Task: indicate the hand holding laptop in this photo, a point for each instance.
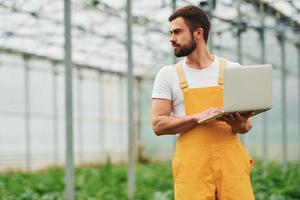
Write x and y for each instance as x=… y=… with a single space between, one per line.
x=238 y=121
x=241 y=116
x=206 y=114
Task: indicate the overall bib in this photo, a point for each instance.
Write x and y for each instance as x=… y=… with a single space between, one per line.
x=209 y=161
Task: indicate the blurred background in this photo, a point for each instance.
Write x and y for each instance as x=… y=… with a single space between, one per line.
x=32 y=93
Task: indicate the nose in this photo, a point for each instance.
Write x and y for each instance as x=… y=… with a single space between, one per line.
x=172 y=38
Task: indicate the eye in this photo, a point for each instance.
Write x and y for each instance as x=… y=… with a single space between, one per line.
x=176 y=31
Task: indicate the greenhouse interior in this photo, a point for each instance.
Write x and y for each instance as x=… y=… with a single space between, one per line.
x=87 y=132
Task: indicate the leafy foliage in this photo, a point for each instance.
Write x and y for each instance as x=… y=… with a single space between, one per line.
x=154 y=181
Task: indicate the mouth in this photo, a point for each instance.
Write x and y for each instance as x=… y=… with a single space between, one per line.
x=175 y=47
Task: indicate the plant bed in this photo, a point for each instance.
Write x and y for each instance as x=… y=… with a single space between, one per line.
x=154 y=181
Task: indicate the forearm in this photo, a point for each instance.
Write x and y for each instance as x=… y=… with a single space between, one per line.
x=168 y=125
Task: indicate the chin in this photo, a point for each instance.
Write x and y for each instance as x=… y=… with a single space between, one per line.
x=178 y=55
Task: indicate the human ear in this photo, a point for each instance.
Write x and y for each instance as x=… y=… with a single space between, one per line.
x=198 y=33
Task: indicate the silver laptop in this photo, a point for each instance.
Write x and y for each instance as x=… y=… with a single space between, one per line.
x=246 y=89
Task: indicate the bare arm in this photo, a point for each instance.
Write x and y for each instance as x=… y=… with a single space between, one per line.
x=164 y=124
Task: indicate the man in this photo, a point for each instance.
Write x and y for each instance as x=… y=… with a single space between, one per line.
x=209 y=161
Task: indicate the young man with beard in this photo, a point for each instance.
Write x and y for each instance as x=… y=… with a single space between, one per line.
x=209 y=162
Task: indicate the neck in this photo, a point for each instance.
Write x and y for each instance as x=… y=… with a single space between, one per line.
x=200 y=58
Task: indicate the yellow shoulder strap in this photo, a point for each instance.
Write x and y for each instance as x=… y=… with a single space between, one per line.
x=222 y=65
x=181 y=77
x=182 y=80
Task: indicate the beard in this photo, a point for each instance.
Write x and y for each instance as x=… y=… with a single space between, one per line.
x=184 y=50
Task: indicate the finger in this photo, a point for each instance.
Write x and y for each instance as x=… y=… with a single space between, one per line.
x=213 y=111
x=231 y=117
x=252 y=113
x=239 y=117
x=220 y=109
x=209 y=110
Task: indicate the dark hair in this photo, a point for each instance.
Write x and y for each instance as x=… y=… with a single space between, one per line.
x=194 y=17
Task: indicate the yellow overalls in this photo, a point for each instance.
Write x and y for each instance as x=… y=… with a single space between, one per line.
x=209 y=162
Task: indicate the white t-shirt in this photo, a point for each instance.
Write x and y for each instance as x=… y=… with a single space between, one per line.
x=166 y=84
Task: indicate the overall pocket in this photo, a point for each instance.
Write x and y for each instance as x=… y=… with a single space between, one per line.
x=190 y=163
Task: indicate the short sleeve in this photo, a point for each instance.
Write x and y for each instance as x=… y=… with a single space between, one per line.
x=161 y=86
